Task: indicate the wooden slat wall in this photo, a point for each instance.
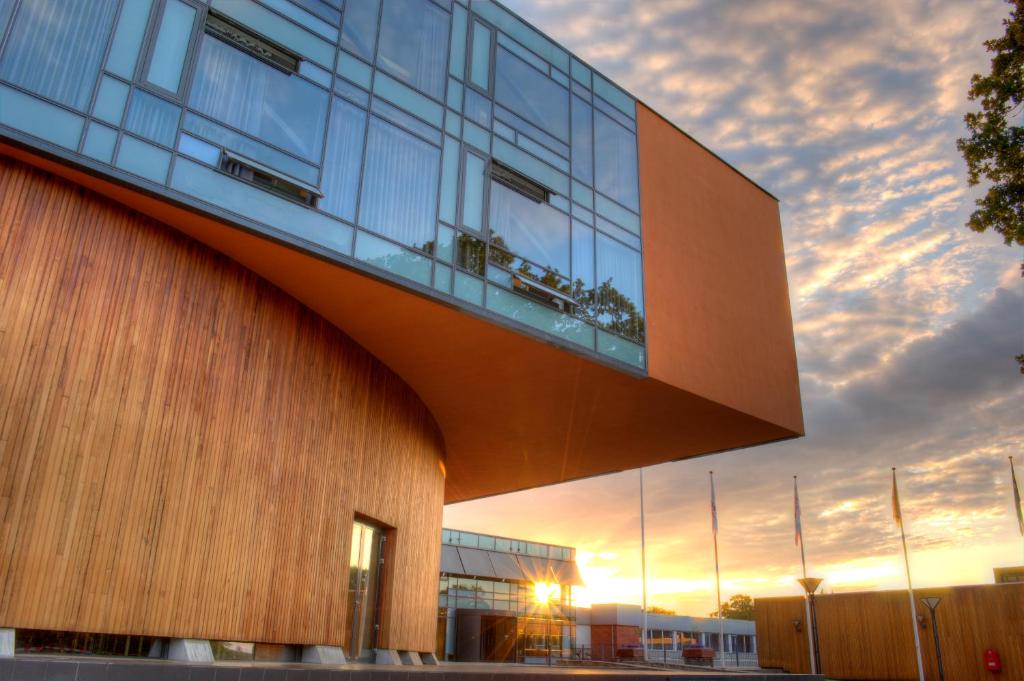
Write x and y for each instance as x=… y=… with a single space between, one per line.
x=783 y=647
x=183 y=447
x=868 y=635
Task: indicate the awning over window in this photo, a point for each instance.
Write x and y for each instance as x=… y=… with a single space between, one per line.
x=476 y=562
x=461 y=560
x=450 y=561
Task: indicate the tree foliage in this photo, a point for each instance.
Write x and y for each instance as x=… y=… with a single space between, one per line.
x=994 y=150
x=739 y=607
x=658 y=610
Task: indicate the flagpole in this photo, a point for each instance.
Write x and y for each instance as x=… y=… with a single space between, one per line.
x=643 y=566
x=1016 y=502
x=803 y=564
x=718 y=580
x=898 y=516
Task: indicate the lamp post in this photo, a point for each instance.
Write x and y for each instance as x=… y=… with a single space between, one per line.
x=933 y=602
x=810 y=585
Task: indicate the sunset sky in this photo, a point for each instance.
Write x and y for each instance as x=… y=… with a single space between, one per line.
x=906 y=322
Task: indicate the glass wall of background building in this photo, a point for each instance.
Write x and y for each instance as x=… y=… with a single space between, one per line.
x=514 y=595
x=449 y=146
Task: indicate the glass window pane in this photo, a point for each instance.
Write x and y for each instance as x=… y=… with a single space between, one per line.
x=445 y=243
x=280 y=161
x=99 y=142
x=582 y=140
x=355 y=70
x=110 y=100
x=131 y=26
x=480 y=68
x=619 y=302
x=615 y=165
x=531 y=94
x=278 y=29
x=471 y=290
x=515 y=27
x=39 y=118
x=582 y=261
x=198 y=149
x=528 y=229
x=457 y=58
x=392 y=257
x=399 y=196
x=531 y=167
x=404 y=120
x=359 y=32
x=143 y=159
x=171 y=45
x=307 y=19
x=247 y=94
x=344 y=156
x=153 y=118
x=315 y=73
x=580 y=73
x=478 y=108
x=619 y=99
x=449 y=181
x=473 y=193
x=408 y=99
x=539 y=316
x=413 y=42
x=55 y=48
x=259 y=205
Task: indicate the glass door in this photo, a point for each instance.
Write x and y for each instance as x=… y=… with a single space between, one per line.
x=366 y=565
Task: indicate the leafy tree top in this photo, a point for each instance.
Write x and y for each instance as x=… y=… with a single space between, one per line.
x=994 y=150
x=739 y=607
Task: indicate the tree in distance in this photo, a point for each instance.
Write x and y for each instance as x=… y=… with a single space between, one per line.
x=994 y=150
x=739 y=607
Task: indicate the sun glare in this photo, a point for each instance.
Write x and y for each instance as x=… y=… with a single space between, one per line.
x=546 y=592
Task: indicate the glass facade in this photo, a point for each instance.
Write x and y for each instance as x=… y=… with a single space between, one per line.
x=444 y=142
x=541 y=615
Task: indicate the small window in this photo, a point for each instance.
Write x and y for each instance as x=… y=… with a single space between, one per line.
x=227 y=30
x=519 y=183
x=266 y=178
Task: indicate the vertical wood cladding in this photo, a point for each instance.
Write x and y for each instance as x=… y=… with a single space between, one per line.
x=868 y=635
x=183 y=446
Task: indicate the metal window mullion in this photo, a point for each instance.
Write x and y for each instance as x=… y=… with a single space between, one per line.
x=366 y=132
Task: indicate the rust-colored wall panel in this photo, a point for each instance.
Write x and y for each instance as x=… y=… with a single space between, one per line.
x=716 y=297
x=868 y=636
x=183 y=446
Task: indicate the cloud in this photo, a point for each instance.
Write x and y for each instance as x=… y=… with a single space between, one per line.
x=906 y=323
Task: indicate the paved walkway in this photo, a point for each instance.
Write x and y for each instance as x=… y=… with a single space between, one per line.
x=59 y=668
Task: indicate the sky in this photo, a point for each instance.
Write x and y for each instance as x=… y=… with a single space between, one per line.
x=906 y=322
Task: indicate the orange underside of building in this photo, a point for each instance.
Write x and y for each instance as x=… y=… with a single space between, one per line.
x=516 y=412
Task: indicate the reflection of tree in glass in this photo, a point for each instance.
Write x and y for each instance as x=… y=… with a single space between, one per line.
x=603 y=306
x=609 y=308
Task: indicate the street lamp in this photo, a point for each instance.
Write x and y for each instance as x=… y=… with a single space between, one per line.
x=933 y=602
x=810 y=585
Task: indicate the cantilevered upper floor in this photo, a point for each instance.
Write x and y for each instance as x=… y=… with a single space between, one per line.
x=572 y=285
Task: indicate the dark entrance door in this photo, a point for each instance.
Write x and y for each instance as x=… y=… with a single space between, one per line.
x=498 y=638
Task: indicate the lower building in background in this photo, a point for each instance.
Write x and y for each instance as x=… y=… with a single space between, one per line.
x=869 y=635
x=505 y=600
x=615 y=630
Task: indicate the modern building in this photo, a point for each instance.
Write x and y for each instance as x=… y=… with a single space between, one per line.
x=279 y=278
x=505 y=600
x=869 y=635
x=617 y=627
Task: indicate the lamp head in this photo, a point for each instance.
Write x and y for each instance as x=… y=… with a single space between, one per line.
x=810 y=584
